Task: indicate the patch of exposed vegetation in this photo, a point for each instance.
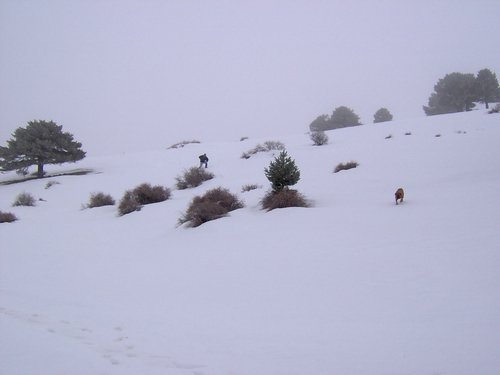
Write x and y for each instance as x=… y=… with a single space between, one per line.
x=264 y=147
x=345 y=166
x=182 y=144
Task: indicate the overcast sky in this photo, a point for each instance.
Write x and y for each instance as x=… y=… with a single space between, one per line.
x=131 y=74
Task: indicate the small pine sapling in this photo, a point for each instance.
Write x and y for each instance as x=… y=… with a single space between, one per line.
x=282 y=172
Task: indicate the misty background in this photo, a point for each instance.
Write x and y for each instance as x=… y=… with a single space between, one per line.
x=126 y=75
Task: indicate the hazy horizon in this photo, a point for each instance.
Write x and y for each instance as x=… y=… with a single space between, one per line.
x=150 y=73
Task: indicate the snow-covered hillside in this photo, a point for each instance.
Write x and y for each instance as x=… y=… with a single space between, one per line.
x=354 y=285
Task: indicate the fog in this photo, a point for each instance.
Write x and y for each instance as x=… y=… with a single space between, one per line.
x=127 y=75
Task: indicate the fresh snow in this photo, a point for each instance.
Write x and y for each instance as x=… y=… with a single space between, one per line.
x=354 y=285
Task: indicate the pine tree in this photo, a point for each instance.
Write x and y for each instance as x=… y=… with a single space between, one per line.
x=382 y=115
x=343 y=117
x=282 y=172
x=40 y=143
x=486 y=86
x=456 y=92
x=321 y=123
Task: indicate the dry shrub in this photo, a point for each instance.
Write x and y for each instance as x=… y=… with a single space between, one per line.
x=182 y=144
x=283 y=199
x=24 y=199
x=193 y=177
x=51 y=183
x=274 y=146
x=128 y=203
x=7 y=217
x=200 y=212
x=223 y=198
x=319 y=138
x=249 y=187
x=265 y=147
x=345 y=166
x=147 y=194
x=214 y=204
x=133 y=200
x=100 y=200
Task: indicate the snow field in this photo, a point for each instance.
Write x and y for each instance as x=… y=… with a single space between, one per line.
x=353 y=285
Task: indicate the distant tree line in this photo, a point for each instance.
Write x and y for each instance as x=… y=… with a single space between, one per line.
x=343 y=117
x=458 y=92
x=455 y=92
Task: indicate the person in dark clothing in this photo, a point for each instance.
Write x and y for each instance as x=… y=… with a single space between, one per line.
x=203 y=160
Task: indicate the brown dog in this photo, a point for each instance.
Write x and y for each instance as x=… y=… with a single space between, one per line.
x=400 y=194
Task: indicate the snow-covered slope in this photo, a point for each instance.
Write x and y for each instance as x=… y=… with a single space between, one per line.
x=353 y=285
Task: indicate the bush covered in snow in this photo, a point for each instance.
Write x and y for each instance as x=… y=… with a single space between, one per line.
x=182 y=144
x=265 y=147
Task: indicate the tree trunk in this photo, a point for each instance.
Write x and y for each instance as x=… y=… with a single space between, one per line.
x=487 y=106
x=40 y=171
